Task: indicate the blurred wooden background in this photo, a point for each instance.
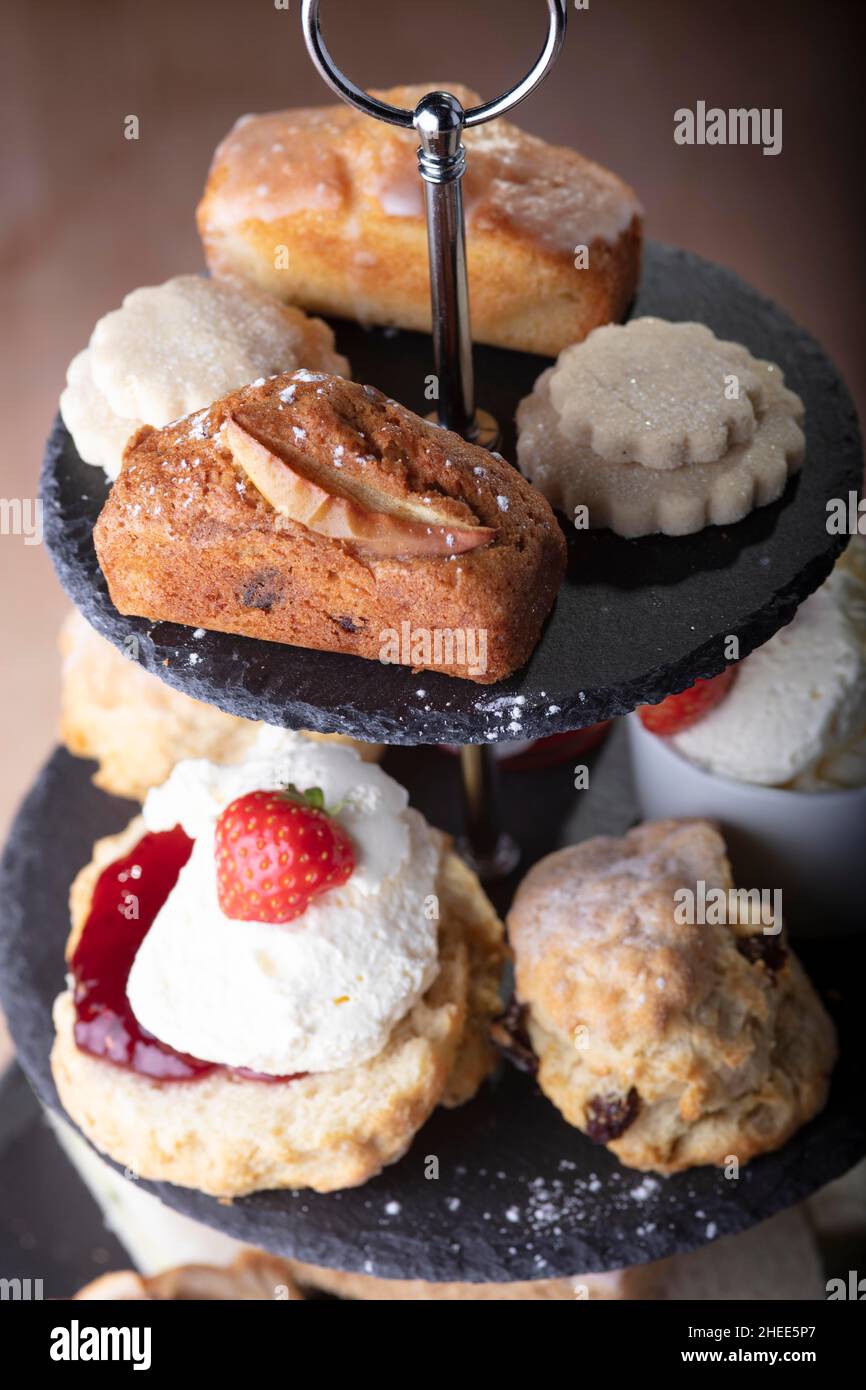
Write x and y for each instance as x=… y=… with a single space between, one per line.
x=89 y=215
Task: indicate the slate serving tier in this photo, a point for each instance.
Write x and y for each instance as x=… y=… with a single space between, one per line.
x=519 y=1194
x=634 y=621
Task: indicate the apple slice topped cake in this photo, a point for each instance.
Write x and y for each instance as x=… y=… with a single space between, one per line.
x=310 y=510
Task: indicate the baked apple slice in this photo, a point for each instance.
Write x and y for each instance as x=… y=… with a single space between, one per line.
x=345 y=508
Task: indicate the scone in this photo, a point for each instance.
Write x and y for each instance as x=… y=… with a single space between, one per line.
x=673 y=1044
x=135 y=727
x=324 y=207
x=171 y=349
x=266 y=993
x=659 y=426
x=310 y=510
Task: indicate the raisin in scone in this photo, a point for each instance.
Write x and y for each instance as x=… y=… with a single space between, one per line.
x=324 y=207
x=173 y=348
x=310 y=510
x=277 y=972
x=135 y=727
x=673 y=1044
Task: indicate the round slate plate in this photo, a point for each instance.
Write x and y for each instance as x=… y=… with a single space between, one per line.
x=634 y=620
x=518 y=1194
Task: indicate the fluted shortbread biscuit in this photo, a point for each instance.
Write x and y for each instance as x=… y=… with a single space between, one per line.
x=174 y=348
x=323 y=207
x=660 y=427
x=135 y=726
x=674 y=1044
x=227 y=1135
x=314 y=511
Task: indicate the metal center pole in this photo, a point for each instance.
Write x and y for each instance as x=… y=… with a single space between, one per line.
x=439 y=120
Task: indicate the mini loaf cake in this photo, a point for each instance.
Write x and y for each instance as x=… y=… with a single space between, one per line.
x=277 y=972
x=311 y=510
x=135 y=727
x=173 y=348
x=657 y=426
x=323 y=207
x=673 y=1042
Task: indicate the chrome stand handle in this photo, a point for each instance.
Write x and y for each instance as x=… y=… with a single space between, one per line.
x=439 y=120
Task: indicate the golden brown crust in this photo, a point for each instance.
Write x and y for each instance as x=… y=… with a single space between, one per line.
x=323 y=208
x=705 y=1051
x=230 y=1136
x=135 y=726
x=186 y=537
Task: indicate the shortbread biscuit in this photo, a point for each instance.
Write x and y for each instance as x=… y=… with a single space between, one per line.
x=324 y=207
x=135 y=727
x=98 y=432
x=674 y=1044
x=314 y=511
x=660 y=426
x=174 y=348
x=227 y=1135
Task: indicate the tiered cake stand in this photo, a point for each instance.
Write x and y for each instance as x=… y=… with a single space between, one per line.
x=519 y=1193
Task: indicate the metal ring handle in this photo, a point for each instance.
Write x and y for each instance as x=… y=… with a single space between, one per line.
x=396 y=115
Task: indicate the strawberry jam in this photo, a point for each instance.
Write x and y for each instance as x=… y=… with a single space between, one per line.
x=126 y=900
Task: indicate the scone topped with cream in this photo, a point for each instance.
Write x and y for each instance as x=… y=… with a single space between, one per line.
x=174 y=348
x=657 y=426
x=291 y=941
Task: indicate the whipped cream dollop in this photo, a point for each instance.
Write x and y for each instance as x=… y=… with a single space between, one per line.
x=796 y=714
x=315 y=994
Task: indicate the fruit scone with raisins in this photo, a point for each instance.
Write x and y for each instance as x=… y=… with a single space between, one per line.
x=674 y=1042
x=277 y=972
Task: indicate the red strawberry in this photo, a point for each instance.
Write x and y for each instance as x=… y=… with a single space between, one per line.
x=677 y=712
x=276 y=851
